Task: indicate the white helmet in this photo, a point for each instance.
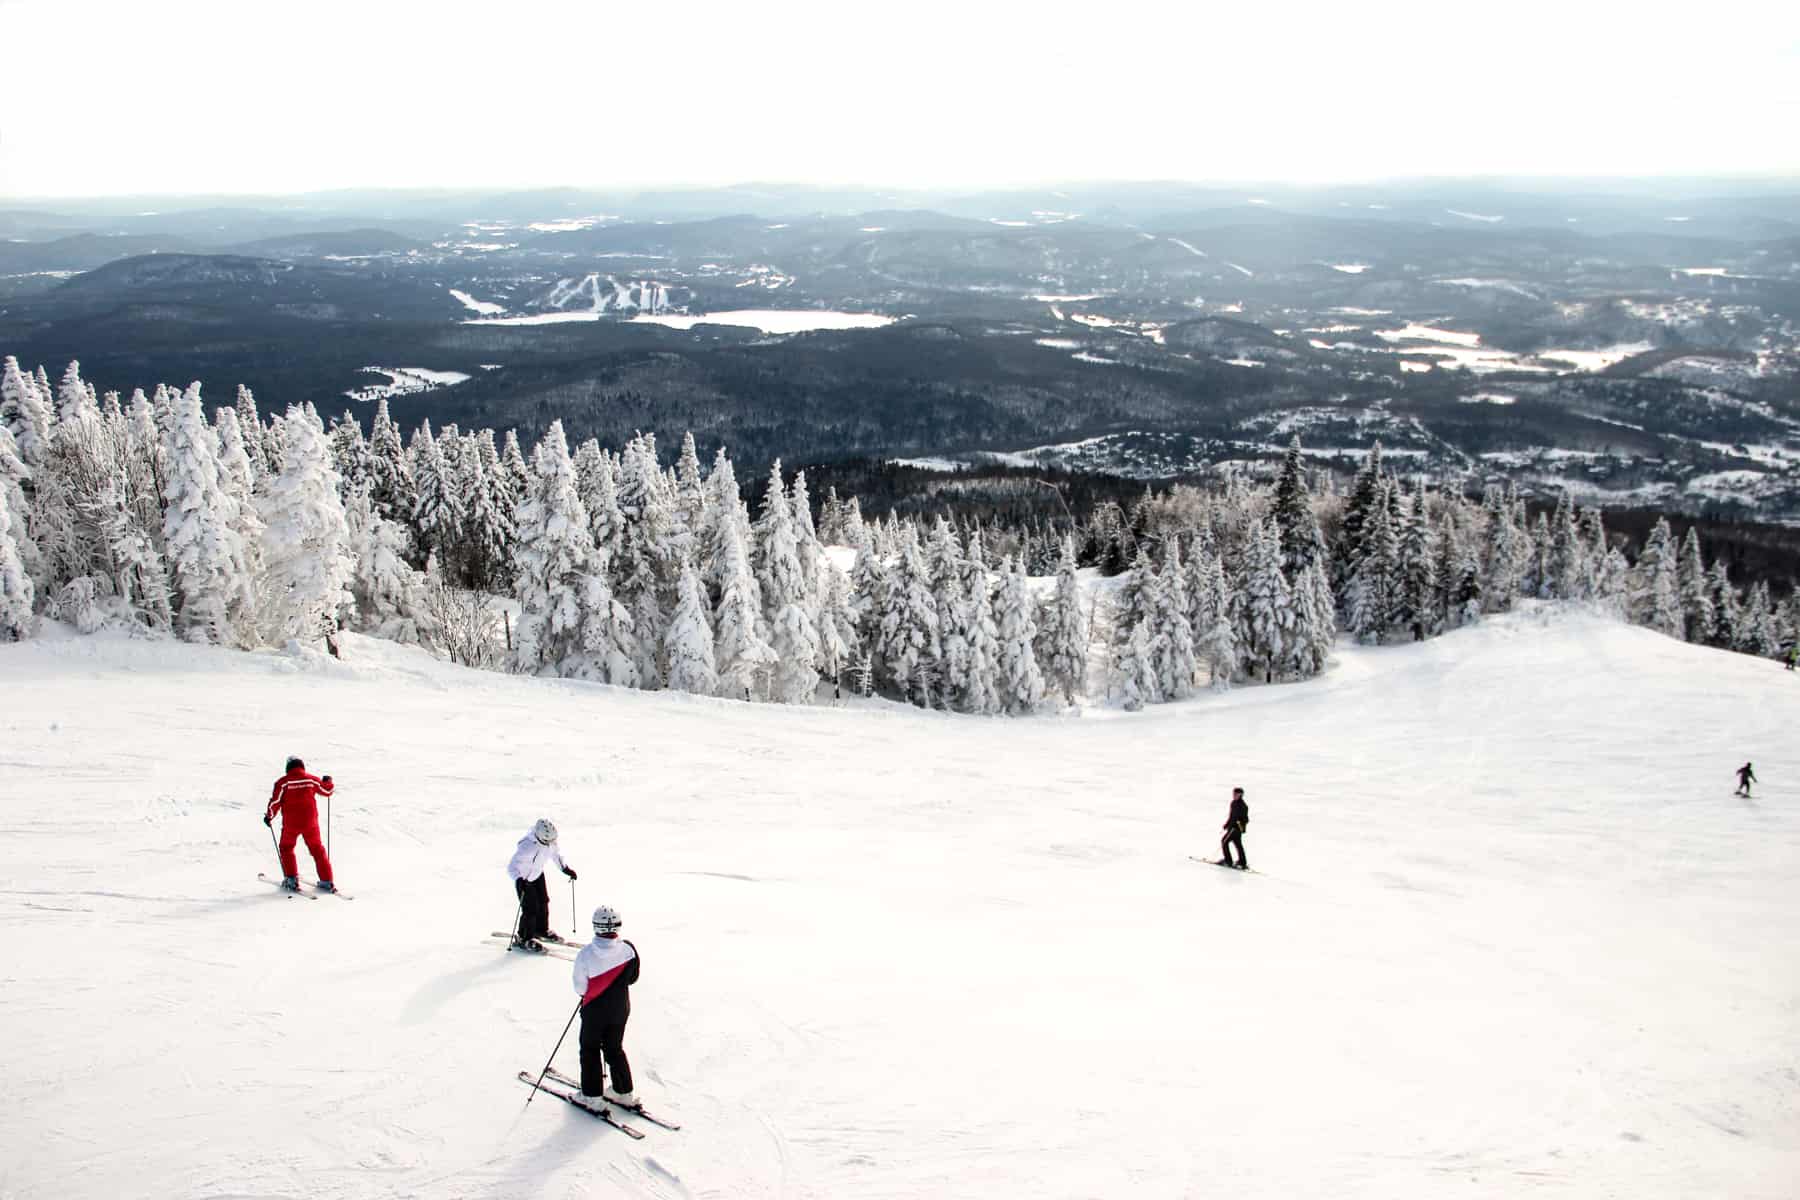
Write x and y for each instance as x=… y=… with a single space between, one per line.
x=606 y=920
x=544 y=830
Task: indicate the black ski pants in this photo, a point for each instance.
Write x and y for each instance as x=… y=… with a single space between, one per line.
x=603 y=1038
x=534 y=907
x=1234 y=836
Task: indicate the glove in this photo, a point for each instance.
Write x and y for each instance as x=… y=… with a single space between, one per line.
x=268 y=820
x=326 y=781
x=570 y=872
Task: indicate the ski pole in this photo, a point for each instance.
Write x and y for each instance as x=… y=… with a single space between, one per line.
x=552 y=1058
x=572 y=925
x=276 y=845
x=518 y=918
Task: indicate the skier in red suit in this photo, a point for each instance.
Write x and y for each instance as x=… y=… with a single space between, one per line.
x=295 y=797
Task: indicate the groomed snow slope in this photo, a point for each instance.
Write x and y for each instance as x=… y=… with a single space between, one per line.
x=1514 y=934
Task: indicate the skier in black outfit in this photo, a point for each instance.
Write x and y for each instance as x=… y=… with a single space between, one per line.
x=1234 y=826
x=1746 y=777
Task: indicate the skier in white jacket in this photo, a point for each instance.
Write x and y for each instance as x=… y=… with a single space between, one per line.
x=604 y=972
x=537 y=850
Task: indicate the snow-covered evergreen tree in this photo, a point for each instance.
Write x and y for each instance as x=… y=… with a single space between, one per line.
x=979 y=690
x=389 y=594
x=1298 y=529
x=214 y=595
x=1063 y=632
x=689 y=642
x=349 y=452
x=17 y=593
x=1417 y=608
x=306 y=536
x=1266 y=620
x=24 y=413
x=1655 y=588
x=1694 y=594
x=908 y=638
x=555 y=563
x=743 y=655
x=437 y=498
x=1375 y=577
x=390 y=479
x=839 y=642
x=1173 y=641
x=786 y=602
x=1021 y=683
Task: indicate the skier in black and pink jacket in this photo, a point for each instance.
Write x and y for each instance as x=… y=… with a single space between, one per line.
x=604 y=972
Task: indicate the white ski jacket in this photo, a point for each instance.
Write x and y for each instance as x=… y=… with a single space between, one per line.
x=532 y=856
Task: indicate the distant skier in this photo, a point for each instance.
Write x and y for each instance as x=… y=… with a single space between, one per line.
x=296 y=798
x=1793 y=655
x=1235 y=824
x=604 y=972
x=1746 y=777
x=537 y=849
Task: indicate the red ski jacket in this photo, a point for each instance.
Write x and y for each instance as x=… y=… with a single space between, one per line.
x=295 y=798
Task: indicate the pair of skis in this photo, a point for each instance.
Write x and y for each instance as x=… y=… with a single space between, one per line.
x=1216 y=863
x=563 y=950
x=567 y=1089
x=308 y=890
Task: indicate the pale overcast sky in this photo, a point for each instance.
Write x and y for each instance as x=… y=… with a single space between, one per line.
x=103 y=98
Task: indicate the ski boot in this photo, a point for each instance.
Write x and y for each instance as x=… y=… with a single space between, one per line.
x=622 y=1099
x=290 y=883
x=550 y=935
x=325 y=885
x=531 y=945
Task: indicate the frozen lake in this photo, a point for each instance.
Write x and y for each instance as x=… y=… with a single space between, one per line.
x=772 y=320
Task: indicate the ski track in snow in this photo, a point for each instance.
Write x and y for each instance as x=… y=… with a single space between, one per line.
x=1511 y=930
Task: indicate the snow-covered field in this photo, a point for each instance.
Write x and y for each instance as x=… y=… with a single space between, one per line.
x=1512 y=934
x=406 y=381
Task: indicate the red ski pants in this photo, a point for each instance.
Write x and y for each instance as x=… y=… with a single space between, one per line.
x=293 y=833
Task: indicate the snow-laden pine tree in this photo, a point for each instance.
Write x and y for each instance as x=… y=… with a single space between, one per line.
x=690 y=497
x=1021 y=683
x=1216 y=643
x=1266 y=618
x=980 y=689
x=306 y=538
x=255 y=436
x=1566 y=576
x=1062 y=644
x=1416 y=610
x=138 y=577
x=951 y=583
x=1301 y=540
x=555 y=561
x=1374 y=585
x=488 y=533
x=1499 y=580
x=518 y=471
x=601 y=495
x=349 y=452
x=438 y=499
x=214 y=595
x=391 y=487
x=78 y=465
x=806 y=542
x=839 y=643
x=1366 y=491
x=1318 y=621
x=1173 y=644
x=1724 y=605
x=1693 y=591
x=17 y=594
x=689 y=642
x=1655 y=588
x=869 y=588
x=787 y=604
x=24 y=414
x=1135 y=662
x=743 y=654
x=389 y=594
x=907 y=647
x=1756 y=624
